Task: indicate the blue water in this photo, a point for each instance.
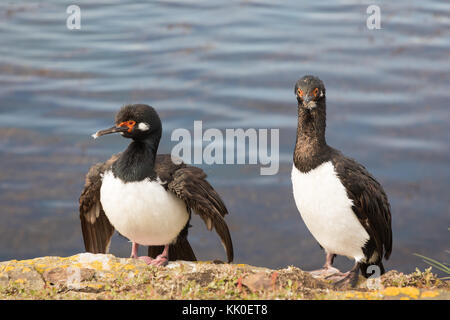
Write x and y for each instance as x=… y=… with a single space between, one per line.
x=231 y=64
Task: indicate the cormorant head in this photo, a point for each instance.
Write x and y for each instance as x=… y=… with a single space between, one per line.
x=309 y=91
x=135 y=121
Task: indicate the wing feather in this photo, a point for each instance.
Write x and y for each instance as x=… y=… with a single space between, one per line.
x=189 y=184
x=96 y=228
x=370 y=203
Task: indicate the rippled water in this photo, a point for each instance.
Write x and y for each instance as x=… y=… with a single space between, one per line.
x=231 y=64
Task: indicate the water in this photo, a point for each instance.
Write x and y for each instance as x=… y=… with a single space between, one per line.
x=231 y=64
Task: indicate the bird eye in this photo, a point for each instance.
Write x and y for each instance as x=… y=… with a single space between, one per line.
x=130 y=124
x=316 y=92
x=300 y=92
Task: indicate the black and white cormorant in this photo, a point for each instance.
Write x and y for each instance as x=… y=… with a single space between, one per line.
x=342 y=205
x=147 y=197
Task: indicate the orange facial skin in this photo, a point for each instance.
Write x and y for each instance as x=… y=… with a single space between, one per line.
x=316 y=92
x=130 y=124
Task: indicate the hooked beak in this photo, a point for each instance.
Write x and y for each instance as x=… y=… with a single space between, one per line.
x=308 y=102
x=110 y=130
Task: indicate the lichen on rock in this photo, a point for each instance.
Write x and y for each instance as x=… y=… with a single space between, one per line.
x=104 y=276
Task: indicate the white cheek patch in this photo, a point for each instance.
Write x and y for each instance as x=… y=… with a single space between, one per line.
x=143 y=126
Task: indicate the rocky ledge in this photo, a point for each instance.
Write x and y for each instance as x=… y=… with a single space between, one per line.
x=103 y=276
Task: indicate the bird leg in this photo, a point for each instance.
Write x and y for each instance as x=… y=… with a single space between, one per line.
x=134 y=254
x=327 y=270
x=134 y=250
x=349 y=279
x=163 y=258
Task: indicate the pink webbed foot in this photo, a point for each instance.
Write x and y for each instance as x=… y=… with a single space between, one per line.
x=134 y=254
x=146 y=259
x=347 y=280
x=160 y=261
x=325 y=272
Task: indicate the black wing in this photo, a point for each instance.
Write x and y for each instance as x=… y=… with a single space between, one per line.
x=370 y=203
x=96 y=228
x=189 y=184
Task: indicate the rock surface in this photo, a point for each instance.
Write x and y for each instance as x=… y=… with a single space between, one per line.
x=103 y=276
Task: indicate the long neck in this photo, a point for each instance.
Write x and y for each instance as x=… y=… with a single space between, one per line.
x=137 y=162
x=311 y=145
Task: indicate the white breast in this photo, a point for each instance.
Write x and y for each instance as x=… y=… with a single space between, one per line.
x=143 y=211
x=327 y=211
